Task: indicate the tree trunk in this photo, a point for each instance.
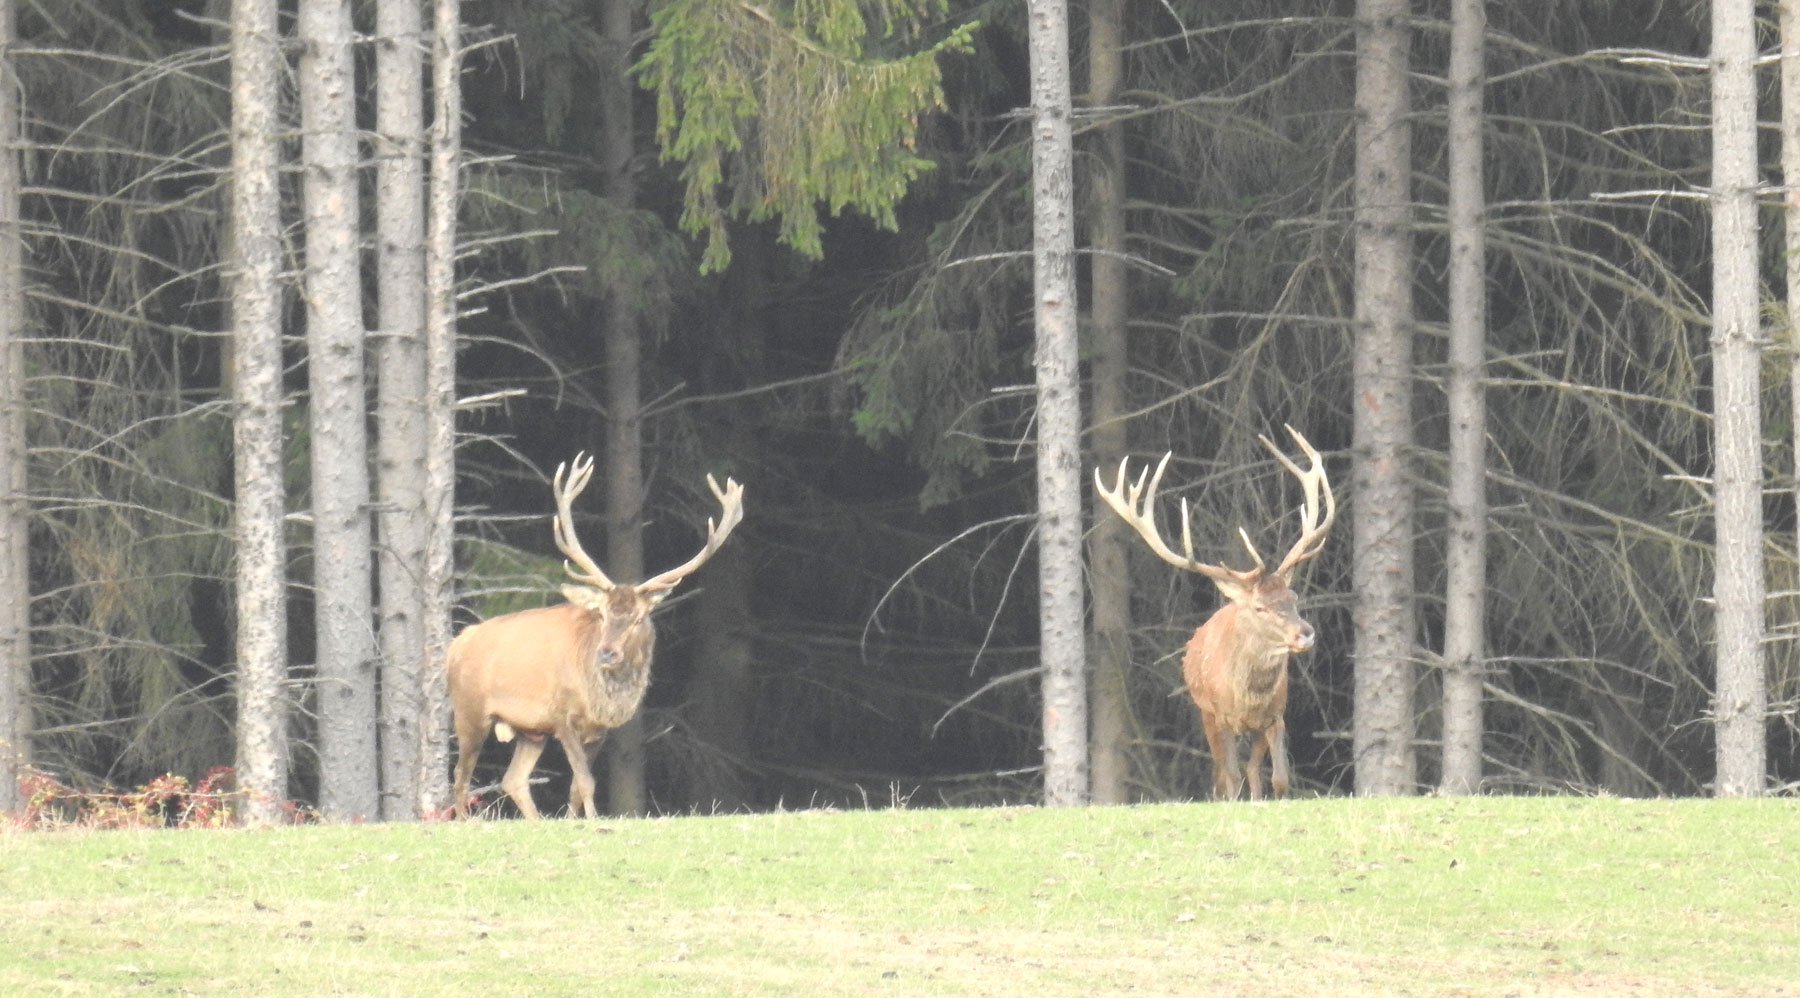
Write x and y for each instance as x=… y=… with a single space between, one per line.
x=400 y=394
x=626 y=792
x=724 y=686
x=1060 y=630
x=1740 y=702
x=1465 y=570
x=15 y=563
x=1110 y=756
x=444 y=195
x=1383 y=522
x=259 y=467
x=345 y=683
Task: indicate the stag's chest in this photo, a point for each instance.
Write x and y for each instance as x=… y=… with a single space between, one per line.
x=613 y=695
x=1245 y=692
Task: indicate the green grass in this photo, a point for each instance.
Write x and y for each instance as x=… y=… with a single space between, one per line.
x=1483 y=896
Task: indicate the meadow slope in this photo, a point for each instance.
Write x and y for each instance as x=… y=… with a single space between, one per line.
x=1477 y=896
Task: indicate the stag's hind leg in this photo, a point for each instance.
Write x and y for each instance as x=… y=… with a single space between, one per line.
x=471 y=732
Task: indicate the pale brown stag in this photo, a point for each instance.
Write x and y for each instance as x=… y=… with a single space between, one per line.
x=1236 y=663
x=572 y=671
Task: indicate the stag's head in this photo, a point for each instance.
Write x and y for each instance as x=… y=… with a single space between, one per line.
x=1268 y=609
x=622 y=634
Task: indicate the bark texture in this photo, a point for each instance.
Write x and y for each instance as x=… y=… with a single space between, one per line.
x=1740 y=698
x=1061 y=632
x=1382 y=565
x=1465 y=569
x=343 y=602
x=1108 y=353
x=258 y=466
x=400 y=396
x=15 y=565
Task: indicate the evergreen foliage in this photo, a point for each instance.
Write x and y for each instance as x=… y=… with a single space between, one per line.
x=788 y=109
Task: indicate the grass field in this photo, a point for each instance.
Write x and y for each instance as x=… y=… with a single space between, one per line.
x=1480 y=896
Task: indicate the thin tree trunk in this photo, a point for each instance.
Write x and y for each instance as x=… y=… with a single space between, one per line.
x=443 y=198
x=400 y=394
x=348 y=771
x=15 y=564
x=1383 y=521
x=258 y=467
x=1465 y=571
x=1060 y=635
x=626 y=792
x=724 y=686
x=1740 y=702
x=1110 y=756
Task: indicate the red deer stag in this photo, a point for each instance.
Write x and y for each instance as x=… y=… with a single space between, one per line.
x=573 y=670
x=1236 y=663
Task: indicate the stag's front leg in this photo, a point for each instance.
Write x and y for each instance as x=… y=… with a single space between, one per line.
x=517 y=781
x=581 y=774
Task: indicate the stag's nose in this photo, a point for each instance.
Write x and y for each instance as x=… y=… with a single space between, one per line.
x=1302 y=639
x=609 y=657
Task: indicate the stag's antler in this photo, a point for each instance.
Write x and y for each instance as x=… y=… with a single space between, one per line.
x=731 y=511
x=1137 y=506
x=563 y=525
x=1313 y=481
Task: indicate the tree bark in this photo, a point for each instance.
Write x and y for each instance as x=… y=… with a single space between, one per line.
x=724 y=685
x=1740 y=700
x=1465 y=569
x=622 y=350
x=443 y=200
x=1383 y=516
x=258 y=466
x=400 y=394
x=1109 y=757
x=1060 y=630
x=343 y=609
x=15 y=562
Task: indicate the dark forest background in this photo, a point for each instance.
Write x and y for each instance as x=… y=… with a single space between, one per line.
x=879 y=599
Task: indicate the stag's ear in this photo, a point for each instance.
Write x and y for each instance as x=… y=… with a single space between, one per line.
x=585 y=597
x=1231 y=590
x=655 y=597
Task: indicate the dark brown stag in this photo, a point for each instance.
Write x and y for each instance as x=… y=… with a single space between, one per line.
x=571 y=671
x=1236 y=662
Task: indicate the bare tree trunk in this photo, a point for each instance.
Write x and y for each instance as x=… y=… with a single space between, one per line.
x=1465 y=584
x=626 y=792
x=444 y=196
x=259 y=468
x=1740 y=701
x=15 y=563
x=1110 y=756
x=725 y=651
x=1061 y=632
x=1383 y=523
x=400 y=394
x=348 y=777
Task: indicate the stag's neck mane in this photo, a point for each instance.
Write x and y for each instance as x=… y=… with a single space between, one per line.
x=611 y=695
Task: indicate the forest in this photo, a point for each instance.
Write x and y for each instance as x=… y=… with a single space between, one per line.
x=792 y=244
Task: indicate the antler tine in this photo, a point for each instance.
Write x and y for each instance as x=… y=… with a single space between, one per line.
x=562 y=525
x=1313 y=481
x=1136 y=505
x=731 y=512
